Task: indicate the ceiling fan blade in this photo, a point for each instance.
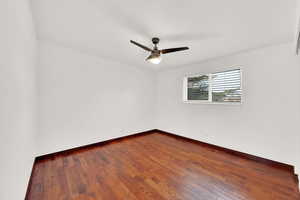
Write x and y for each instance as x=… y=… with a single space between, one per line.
x=164 y=51
x=140 y=45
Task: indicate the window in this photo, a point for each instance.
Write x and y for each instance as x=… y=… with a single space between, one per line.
x=198 y=88
x=219 y=87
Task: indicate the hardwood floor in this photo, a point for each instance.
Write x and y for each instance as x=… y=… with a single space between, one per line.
x=157 y=167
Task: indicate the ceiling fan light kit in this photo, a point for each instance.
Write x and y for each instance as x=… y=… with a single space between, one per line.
x=155 y=56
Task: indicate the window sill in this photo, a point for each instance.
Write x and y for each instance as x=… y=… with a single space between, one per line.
x=213 y=103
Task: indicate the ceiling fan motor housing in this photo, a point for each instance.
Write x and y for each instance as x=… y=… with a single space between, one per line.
x=155 y=40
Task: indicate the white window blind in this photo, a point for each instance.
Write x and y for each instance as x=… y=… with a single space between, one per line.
x=226 y=86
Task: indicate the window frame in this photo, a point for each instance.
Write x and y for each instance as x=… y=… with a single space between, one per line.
x=209 y=101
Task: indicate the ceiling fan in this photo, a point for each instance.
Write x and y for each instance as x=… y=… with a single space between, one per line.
x=155 y=56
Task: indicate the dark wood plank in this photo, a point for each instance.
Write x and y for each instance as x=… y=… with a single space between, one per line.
x=157 y=166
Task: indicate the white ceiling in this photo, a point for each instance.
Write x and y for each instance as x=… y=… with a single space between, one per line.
x=211 y=28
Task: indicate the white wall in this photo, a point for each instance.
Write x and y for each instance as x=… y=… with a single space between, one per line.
x=84 y=99
x=267 y=124
x=17 y=98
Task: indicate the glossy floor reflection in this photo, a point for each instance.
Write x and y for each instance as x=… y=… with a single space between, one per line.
x=157 y=167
